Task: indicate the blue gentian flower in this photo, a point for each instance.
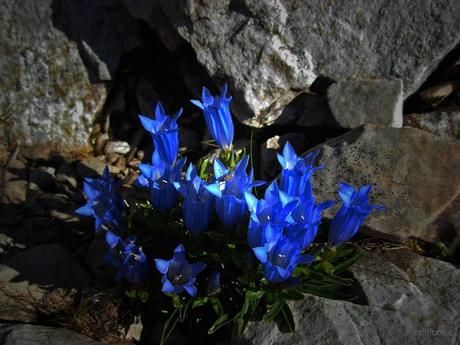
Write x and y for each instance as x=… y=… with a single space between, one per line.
x=297 y=171
x=352 y=214
x=230 y=203
x=217 y=116
x=159 y=177
x=214 y=283
x=305 y=220
x=128 y=257
x=268 y=215
x=104 y=202
x=280 y=258
x=164 y=131
x=198 y=201
x=112 y=239
x=178 y=274
x=133 y=262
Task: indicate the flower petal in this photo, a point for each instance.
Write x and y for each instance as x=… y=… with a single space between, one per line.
x=260 y=253
x=162 y=265
x=168 y=287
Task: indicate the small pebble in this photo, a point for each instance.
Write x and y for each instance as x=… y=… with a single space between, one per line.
x=120 y=147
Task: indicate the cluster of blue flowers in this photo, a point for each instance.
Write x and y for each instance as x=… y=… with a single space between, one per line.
x=281 y=225
x=106 y=206
x=104 y=203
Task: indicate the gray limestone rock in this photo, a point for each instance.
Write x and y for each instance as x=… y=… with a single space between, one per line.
x=22 y=334
x=270 y=51
x=411 y=300
x=442 y=123
x=54 y=57
x=44 y=86
x=358 y=102
x=414 y=174
x=446 y=227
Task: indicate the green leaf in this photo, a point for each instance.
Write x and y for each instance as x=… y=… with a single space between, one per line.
x=204 y=165
x=294 y=295
x=131 y=293
x=252 y=299
x=254 y=295
x=273 y=310
x=183 y=309
x=169 y=326
x=176 y=301
x=220 y=322
x=199 y=302
x=347 y=263
x=216 y=305
x=328 y=267
x=143 y=296
x=287 y=317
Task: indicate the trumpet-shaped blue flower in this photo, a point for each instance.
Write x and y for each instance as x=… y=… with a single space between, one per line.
x=268 y=215
x=230 y=203
x=104 y=202
x=217 y=116
x=305 y=220
x=296 y=172
x=178 y=274
x=280 y=258
x=164 y=131
x=128 y=257
x=214 y=283
x=198 y=201
x=159 y=177
x=352 y=214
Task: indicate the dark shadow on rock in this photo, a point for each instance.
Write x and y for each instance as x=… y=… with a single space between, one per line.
x=321 y=84
x=102 y=29
x=308 y=110
x=49 y=264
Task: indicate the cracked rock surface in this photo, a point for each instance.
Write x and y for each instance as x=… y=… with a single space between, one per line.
x=411 y=300
x=270 y=51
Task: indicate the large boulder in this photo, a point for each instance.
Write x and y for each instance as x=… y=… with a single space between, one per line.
x=54 y=57
x=359 y=102
x=270 y=51
x=15 y=334
x=414 y=174
x=411 y=300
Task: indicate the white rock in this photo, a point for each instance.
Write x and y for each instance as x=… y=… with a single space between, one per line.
x=120 y=147
x=53 y=57
x=270 y=51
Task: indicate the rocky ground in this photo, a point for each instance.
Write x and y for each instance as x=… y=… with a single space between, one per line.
x=379 y=97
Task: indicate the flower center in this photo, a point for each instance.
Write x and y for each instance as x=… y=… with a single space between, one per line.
x=280 y=259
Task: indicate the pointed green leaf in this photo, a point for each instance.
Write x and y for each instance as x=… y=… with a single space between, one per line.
x=169 y=326
x=219 y=323
x=288 y=317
